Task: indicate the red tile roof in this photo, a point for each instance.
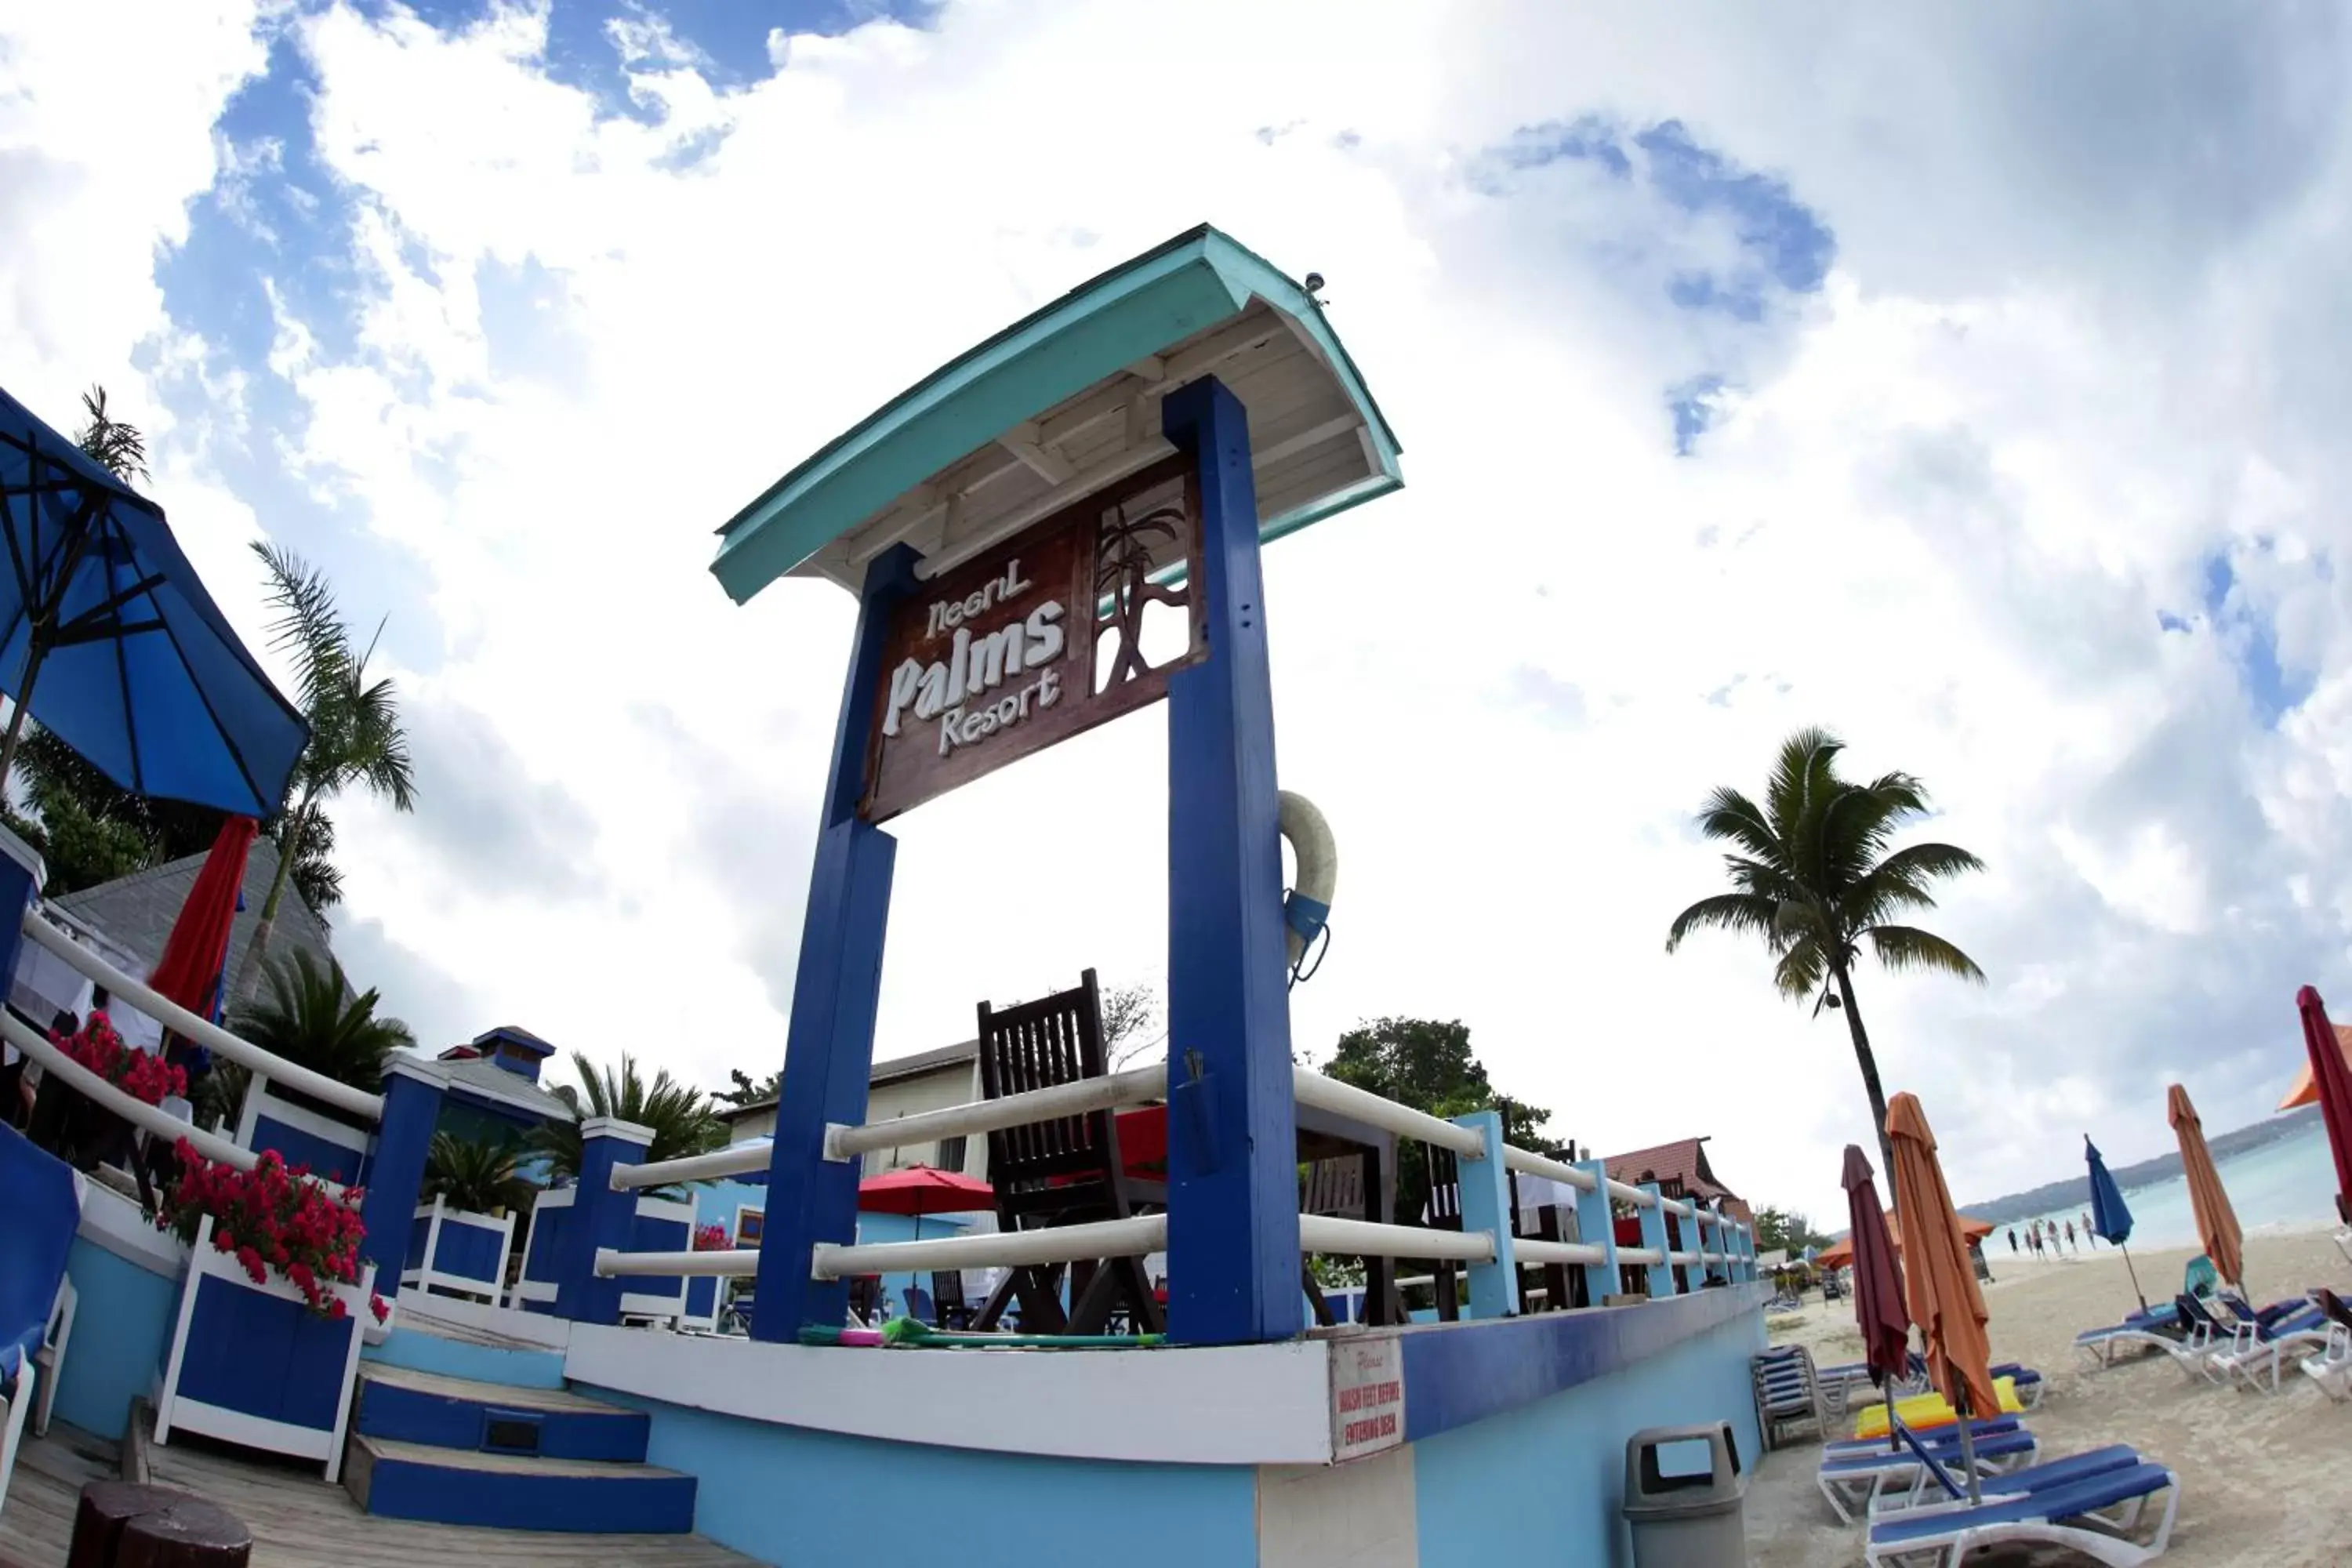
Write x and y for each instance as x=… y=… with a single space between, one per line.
x=1682 y=1161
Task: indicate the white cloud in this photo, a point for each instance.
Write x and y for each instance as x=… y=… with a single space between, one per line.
x=1942 y=508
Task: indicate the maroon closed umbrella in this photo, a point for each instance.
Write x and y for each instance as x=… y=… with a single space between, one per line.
x=1877 y=1281
x=2334 y=1081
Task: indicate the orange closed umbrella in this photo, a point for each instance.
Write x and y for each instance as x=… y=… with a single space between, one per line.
x=2306 y=1087
x=2217 y=1222
x=1938 y=1281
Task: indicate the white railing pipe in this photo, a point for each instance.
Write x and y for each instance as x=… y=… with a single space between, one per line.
x=200 y=1031
x=726 y=1263
x=1310 y=1088
x=1527 y=1163
x=998 y=1249
x=1625 y=1193
x=1576 y=1253
x=1647 y=1257
x=152 y=1118
x=1136 y=1085
x=1327 y=1233
x=736 y=1160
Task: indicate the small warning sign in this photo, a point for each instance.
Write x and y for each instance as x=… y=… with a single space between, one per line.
x=1367 y=1398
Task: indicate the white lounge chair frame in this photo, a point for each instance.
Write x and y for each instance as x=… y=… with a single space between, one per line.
x=2117 y=1550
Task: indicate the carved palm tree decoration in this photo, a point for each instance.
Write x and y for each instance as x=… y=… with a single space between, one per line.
x=1126 y=553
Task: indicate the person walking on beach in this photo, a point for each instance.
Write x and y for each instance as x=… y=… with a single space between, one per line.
x=2012 y=1238
x=2089 y=1237
x=2070 y=1236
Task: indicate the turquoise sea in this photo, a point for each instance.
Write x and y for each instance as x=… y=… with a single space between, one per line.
x=2289 y=1185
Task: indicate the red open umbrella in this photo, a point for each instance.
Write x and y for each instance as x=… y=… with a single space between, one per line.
x=2334 y=1081
x=920 y=1190
x=1878 y=1286
x=189 y=972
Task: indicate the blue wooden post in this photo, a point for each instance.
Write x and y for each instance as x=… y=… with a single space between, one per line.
x=1597 y=1225
x=600 y=1217
x=1746 y=1255
x=1653 y=1237
x=1232 y=1161
x=1485 y=1187
x=829 y=1053
x=1688 y=1277
x=395 y=1173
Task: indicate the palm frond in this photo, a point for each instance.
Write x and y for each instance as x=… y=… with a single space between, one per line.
x=1801 y=968
x=120 y=449
x=309 y=628
x=310 y=1016
x=1725 y=911
x=1800 y=774
x=1729 y=814
x=1908 y=947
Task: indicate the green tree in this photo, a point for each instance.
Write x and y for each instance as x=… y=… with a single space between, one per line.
x=1813 y=876
x=92 y=830
x=1778 y=1229
x=311 y=1016
x=746 y=1092
x=476 y=1175
x=680 y=1116
x=355 y=732
x=1430 y=1066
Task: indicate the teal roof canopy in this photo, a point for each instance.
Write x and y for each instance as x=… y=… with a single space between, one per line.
x=1067 y=400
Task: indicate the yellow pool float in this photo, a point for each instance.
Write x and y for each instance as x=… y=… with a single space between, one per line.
x=1923 y=1412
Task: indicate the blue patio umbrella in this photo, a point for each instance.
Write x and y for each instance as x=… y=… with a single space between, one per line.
x=2110 y=1218
x=109 y=639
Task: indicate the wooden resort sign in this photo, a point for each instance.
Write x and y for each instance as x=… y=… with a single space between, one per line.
x=1067 y=625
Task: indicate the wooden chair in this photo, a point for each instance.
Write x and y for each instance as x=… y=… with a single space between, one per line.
x=865 y=1297
x=1066 y=1171
x=947 y=1298
x=1334 y=1187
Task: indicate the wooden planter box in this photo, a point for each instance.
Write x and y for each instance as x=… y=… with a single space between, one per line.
x=252 y=1365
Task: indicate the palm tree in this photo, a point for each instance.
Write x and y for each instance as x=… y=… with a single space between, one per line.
x=1813 y=876
x=475 y=1175
x=680 y=1116
x=117 y=447
x=312 y=1018
x=355 y=733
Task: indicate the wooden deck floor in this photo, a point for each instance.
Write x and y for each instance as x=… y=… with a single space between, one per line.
x=300 y=1522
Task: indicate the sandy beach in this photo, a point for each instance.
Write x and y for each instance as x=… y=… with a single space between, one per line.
x=2233 y=1451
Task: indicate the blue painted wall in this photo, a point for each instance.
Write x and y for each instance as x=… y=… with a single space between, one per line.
x=1542 y=1484
x=785 y=1494
x=121 y=1322
x=454 y=1358
x=880 y=1227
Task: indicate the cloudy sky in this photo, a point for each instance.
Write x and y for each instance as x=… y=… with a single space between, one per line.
x=1972 y=385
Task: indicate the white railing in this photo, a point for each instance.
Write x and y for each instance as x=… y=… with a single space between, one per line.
x=1135 y=1086
x=735 y=1160
x=150 y=1119
x=200 y=1031
x=1147 y=1234
x=1527 y=1162
x=1325 y=1233
x=1310 y=1088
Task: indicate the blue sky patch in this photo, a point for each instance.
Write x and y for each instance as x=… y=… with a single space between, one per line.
x=2251 y=637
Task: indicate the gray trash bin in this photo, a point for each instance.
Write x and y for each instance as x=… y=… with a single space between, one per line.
x=1685 y=1497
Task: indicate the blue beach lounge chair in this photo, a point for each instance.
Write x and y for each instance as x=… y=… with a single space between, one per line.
x=2156 y=1328
x=38 y=1220
x=2262 y=1344
x=1853 y=1482
x=1928 y=1491
x=2087 y=1502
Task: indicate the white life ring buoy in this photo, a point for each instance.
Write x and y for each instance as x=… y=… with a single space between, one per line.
x=1308 y=906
